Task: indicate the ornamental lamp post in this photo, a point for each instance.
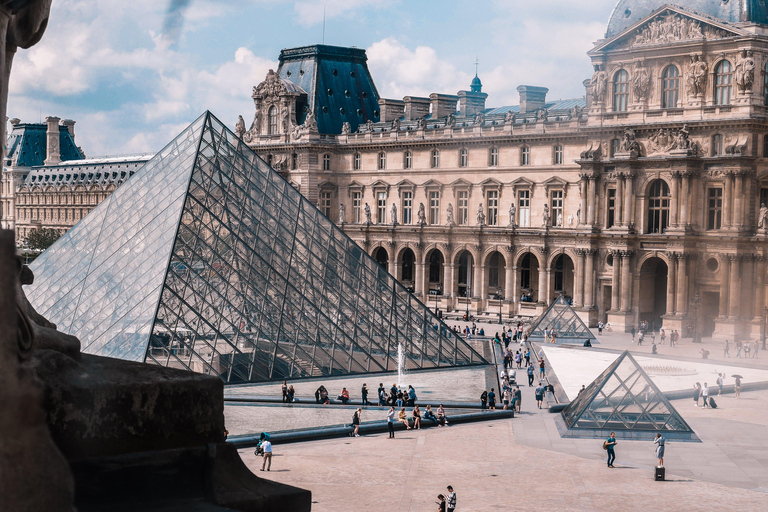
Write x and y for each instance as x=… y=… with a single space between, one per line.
x=695 y=303
x=765 y=325
x=468 y=293
x=500 y=293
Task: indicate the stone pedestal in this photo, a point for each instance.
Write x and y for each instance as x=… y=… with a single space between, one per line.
x=588 y=316
x=672 y=322
x=620 y=321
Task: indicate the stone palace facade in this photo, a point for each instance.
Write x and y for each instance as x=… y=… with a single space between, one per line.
x=643 y=200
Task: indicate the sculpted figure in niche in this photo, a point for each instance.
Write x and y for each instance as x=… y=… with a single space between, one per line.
x=480 y=215
x=240 y=127
x=342 y=213
x=421 y=215
x=512 y=211
x=762 y=217
x=598 y=84
x=393 y=214
x=559 y=221
x=697 y=76
x=683 y=142
x=450 y=220
x=570 y=219
x=367 y=211
x=744 y=71
x=545 y=216
x=641 y=81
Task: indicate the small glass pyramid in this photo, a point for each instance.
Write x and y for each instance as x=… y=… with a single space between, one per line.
x=208 y=260
x=624 y=398
x=568 y=327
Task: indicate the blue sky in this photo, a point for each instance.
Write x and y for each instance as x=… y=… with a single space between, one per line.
x=131 y=87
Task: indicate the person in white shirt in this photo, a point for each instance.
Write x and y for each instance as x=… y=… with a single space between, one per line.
x=451 y=501
x=266 y=445
x=705 y=394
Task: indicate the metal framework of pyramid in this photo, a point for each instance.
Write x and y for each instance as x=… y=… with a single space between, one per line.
x=623 y=399
x=207 y=259
x=561 y=317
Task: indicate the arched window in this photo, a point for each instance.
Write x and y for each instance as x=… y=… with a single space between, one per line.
x=717 y=144
x=382 y=161
x=272 y=115
x=723 y=83
x=408 y=160
x=658 y=207
x=435 y=159
x=525 y=155
x=463 y=157
x=670 y=87
x=357 y=160
x=621 y=91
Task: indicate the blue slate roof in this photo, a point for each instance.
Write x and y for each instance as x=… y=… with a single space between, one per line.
x=27 y=145
x=338 y=84
x=550 y=105
x=628 y=12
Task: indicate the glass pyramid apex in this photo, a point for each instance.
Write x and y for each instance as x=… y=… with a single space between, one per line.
x=561 y=317
x=208 y=260
x=624 y=399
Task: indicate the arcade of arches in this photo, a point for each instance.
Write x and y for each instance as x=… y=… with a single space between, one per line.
x=625 y=287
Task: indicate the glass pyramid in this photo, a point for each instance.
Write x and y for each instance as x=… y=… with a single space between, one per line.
x=208 y=260
x=561 y=317
x=624 y=398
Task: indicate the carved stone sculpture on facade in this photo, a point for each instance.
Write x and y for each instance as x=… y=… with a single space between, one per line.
x=697 y=76
x=421 y=216
x=542 y=114
x=509 y=117
x=575 y=112
x=240 y=127
x=449 y=215
x=665 y=29
x=346 y=128
x=762 y=217
x=545 y=216
x=512 y=214
x=367 y=211
x=641 y=81
x=342 y=213
x=744 y=72
x=480 y=215
x=450 y=121
x=393 y=214
x=559 y=220
x=629 y=144
x=369 y=126
x=421 y=123
x=593 y=153
x=598 y=84
x=396 y=124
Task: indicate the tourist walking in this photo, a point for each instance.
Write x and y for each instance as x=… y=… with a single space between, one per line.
x=738 y=349
x=737 y=386
x=720 y=383
x=411 y=396
x=356 y=421
x=527 y=357
x=518 y=398
x=540 y=394
x=364 y=394
x=391 y=422
x=660 y=441
x=484 y=400
x=639 y=338
x=610 y=447
x=530 y=375
x=440 y=503
x=696 y=394
x=266 y=446
x=600 y=327
x=507 y=396
x=451 y=500
x=662 y=337
x=754 y=351
x=542 y=368
x=727 y=349
x=492 y=400
x=747 y=346
x=632 y=331
x=705 y=395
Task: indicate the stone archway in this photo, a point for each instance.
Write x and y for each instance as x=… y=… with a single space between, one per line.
x=466 y=264
x=562 y=277
x=382 y=257
x=435 y=271
x=652 y=302
x=408 y=268
x=495 y=275
x=528 y=267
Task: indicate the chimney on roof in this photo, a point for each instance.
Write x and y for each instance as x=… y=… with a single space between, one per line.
x=443 y=105
x=416 y=108
x=391 y=110
x=70 y=124
x=470 y=103
x=52 y=150
x=532 y=98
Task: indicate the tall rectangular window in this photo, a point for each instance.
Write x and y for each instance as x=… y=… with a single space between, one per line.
x=525 y=155
x=382 y=161
x=434 y=207
x=714 y=208
x=463 y=209
x=717 y=145
x=408 y=160
x=524 y=208
x=357 y=199
x=463 y=158
x=557 y=208
x=558 y=155
x=326 y=162
x=615 y=147
x=381 y=208
x=493 y=159
x=407 y=207
x=325 y=203
x=493 y=207
x=610 y=214
x=435 y=159
x=357 y=161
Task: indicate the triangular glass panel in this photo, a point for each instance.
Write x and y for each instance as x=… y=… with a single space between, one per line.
x=208 y=260
x=563 y=320
x=624 y=398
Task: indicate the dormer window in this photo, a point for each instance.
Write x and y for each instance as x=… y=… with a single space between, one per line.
x=621 y=91
x=272 y=115
x=723 y=83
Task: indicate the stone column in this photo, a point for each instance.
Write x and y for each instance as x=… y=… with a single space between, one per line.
x=509 y=283
x=724 y=274
x=578 y=285
x=734 y=293
x=681 y=290
x=477 y=280
x=738 y=201
x=548 y=296
x=674 y=203
x=759 y=266
x=483 y=283
x=671 y=285
x=542 y=298
x=418 y=287
x=727 y=200
x=618 y=210
x=628 y=198
x=447 y=283
x=589 y=279
x=626 y=281
x=451 y=285
x=392 y=265
x=592 y=200
x=583 y=189
x=615 y=279
x=685 y=205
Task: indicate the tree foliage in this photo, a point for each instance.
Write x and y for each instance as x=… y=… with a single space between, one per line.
x=41 y=238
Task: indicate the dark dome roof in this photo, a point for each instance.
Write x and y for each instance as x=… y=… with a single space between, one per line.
x=476 y=85
x=629 y=12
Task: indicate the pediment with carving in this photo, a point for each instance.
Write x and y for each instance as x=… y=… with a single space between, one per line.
x=669 y=25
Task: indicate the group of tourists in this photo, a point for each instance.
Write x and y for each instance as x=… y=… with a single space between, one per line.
x=440 y=419
x=704 y=392
x=517 y=358
x=396 y=397
x=748 y=348
x=447 y=503
x=609 y=445
x=469 y=331
x=511 y=397
x=288 y=393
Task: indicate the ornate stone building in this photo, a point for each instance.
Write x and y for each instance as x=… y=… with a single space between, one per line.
x=48 y=183
x=640 y=201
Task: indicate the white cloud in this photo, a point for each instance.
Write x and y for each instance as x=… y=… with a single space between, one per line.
x=311 y=11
